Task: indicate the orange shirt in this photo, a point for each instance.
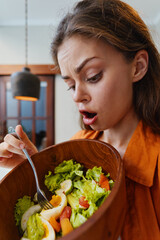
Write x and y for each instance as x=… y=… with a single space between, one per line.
x=142 y=170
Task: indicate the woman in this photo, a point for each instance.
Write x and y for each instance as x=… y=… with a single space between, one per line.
x=112 y=68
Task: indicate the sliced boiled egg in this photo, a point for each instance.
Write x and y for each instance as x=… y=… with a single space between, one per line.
x=56 y=211
x=49 y=231
x=30 y=211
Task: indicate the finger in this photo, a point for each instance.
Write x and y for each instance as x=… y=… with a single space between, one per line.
x=12 y=157
x=17 y=157
x=13 y=141
x=3 y=150
x=11 y=162
x=22 y=134
x=28 y=144
x=6 y=154
x=2 y=159
x=7 y=150
x=14 y=150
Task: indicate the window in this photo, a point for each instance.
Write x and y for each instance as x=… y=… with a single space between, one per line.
x=36 y=118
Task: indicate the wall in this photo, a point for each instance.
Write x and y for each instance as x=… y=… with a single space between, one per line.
x=67 y=115
x=12 y=44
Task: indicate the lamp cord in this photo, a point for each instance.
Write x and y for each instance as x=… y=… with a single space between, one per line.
x=26 y=33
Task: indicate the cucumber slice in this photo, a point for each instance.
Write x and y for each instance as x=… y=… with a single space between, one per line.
x=30 y=211
x=66 y=187
x=73 y=201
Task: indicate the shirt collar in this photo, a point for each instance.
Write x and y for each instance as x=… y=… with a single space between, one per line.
x=141 y=155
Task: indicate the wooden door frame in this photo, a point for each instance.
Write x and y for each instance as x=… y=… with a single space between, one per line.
x=6 y=70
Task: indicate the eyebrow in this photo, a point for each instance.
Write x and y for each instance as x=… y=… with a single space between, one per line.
x=80 y=67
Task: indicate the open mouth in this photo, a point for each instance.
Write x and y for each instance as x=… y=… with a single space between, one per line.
x=89 y=118
x=88 y=114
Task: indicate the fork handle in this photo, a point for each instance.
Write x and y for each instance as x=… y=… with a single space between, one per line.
x=32 y=165
x=12 y=131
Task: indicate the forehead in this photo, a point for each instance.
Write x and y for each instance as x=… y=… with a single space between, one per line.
x=76 y=44
x=74 y=50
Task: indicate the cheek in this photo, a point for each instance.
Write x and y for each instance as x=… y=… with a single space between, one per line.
x=104 y=92
x=114 y=93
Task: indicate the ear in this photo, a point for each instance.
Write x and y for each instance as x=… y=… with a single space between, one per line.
x=140 y=65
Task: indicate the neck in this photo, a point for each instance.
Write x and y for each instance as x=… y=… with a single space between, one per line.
x=119 y=135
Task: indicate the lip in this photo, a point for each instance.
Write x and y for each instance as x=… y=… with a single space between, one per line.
x=87 y=120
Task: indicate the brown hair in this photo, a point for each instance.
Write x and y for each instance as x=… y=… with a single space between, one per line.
x=119 y=25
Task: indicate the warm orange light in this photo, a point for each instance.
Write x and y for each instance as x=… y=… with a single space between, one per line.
x=26 y=98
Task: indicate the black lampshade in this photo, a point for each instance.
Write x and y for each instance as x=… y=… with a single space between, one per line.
x=25 y=85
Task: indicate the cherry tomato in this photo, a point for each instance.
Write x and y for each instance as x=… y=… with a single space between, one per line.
x=66 y=213
x=83 y=202
x=105 y=185
x=102 y=178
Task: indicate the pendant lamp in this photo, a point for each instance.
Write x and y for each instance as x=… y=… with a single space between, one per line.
x=24 y=84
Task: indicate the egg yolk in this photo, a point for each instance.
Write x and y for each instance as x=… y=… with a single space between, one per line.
x=56 y=200
x=46 y=232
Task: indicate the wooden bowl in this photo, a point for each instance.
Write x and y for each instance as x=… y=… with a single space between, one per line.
x=106 y=222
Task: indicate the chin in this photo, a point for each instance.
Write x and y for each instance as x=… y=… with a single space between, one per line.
x=97 y=128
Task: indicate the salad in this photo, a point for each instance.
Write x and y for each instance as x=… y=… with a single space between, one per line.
x=77 y=194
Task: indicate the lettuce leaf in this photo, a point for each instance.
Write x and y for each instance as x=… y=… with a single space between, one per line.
x=73 y=199
x=69 y=169
x=65 y=170
x=21 y=206
x=111 y=183
x=94 y=173
x=77 y=218
x=89 y=212
x=90 y=190
x=35 y=228
x=52 y=182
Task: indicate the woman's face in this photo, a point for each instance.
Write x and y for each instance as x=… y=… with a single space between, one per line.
x=100 y=81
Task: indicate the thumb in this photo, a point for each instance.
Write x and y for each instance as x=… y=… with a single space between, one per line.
x=22 y=134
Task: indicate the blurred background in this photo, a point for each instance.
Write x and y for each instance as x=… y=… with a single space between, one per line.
x=53 y=118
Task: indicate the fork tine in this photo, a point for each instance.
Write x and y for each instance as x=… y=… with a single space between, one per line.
x=49 y=205
x=43 y=201
x=45 y=207
x=45 y=204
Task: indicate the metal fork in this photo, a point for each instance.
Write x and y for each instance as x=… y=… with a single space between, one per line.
x=42 y=200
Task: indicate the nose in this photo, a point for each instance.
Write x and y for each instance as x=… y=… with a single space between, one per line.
x=81 y=94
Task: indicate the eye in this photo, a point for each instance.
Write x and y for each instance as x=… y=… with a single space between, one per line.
x=71 y=84
x=71 y=88
x=95 y=78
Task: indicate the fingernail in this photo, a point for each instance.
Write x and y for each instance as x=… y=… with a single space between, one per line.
x=10 y=155
x=22 y=145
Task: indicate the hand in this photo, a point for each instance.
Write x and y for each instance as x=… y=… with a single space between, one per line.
x=11 y=152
